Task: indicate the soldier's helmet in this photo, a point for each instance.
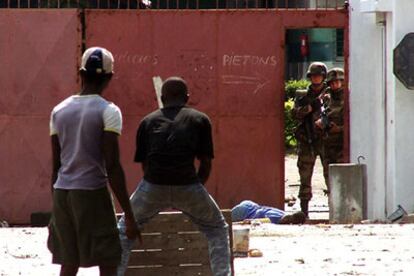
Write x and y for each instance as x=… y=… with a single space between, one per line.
x=317 y=68
x=335 y=74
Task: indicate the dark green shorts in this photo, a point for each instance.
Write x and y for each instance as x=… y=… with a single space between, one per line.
x=83 y=230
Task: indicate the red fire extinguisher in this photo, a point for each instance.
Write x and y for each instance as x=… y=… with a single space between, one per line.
x=304 y=45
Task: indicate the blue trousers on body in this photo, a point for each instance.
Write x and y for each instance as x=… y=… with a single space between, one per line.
x=194 y=201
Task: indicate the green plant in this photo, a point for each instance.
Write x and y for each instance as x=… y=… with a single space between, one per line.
x=290 y=123
x=292 y=85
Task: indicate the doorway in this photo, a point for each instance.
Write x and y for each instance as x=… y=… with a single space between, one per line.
x=304 y=46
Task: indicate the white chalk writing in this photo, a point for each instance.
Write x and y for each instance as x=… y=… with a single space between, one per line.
x=257 y=81
x=136 y=58
x=248 y=60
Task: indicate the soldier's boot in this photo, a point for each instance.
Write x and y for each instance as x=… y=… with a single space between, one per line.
x=304 y=207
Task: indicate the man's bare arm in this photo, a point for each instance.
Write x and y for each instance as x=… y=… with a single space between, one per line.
x=116 y=179
x=55 y=159
x=205 y=169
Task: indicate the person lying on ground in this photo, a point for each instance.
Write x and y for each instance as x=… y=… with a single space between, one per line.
x=248 y=210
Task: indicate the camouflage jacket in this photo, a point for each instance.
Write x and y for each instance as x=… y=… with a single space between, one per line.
x=335 y=103
x=306 y=130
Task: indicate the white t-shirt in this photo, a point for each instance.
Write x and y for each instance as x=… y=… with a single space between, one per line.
x=79 y=123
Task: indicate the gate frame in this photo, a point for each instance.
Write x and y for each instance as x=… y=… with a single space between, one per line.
x=336 y=19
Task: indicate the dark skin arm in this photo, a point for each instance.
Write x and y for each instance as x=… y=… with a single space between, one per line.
x=116 y=179
x=204 y=169
x=55 y=159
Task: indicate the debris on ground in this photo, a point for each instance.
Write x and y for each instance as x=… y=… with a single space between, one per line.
x=407 y=219
x=290 y=200
x=255 y=253
x=397 y=214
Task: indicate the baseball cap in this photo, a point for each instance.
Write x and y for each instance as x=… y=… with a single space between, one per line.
x=97 y=60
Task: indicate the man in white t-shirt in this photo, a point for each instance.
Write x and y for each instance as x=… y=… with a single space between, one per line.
x=84 y=130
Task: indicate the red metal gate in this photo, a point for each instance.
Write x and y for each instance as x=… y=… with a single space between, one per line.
x=234 y=62
x=38 y=55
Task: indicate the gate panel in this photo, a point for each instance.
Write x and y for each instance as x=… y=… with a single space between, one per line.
x=39 y=51
x=233 y=73
x=250 y=153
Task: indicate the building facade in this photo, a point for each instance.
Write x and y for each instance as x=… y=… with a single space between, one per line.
x=381 y=107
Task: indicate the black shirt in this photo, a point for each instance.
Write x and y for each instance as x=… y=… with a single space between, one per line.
x=169 y=140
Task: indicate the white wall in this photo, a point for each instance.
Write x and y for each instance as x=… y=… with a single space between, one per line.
x=367 y=105
x=403 y=23
x=382 y=124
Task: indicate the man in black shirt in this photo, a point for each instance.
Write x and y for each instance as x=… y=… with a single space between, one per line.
x=168 y=141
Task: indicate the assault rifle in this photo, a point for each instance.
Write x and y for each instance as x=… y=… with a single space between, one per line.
x=326 y=122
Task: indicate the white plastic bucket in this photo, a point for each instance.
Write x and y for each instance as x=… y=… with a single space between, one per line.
x=241 y=240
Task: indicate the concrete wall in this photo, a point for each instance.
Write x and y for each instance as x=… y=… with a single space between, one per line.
x=403 y=22
x=381 y=109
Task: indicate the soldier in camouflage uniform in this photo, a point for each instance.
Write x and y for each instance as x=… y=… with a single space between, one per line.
x=333 y=138
x=307 y=111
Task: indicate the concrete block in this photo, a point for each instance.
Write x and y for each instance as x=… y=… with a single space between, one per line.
x=347 y=198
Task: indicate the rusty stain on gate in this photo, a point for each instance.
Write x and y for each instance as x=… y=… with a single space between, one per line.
x=233 y=61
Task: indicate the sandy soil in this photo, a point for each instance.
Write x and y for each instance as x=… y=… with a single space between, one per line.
x=287 y=250
x=330 y=250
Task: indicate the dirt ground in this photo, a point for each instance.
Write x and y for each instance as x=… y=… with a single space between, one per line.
x=318 y=206
x=386 y=249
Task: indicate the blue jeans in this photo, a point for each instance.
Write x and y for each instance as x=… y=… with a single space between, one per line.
x=194 y=201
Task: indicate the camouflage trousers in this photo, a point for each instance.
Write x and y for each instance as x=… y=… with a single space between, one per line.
x=332 y=153
x=194 y=201
x=307 y=155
